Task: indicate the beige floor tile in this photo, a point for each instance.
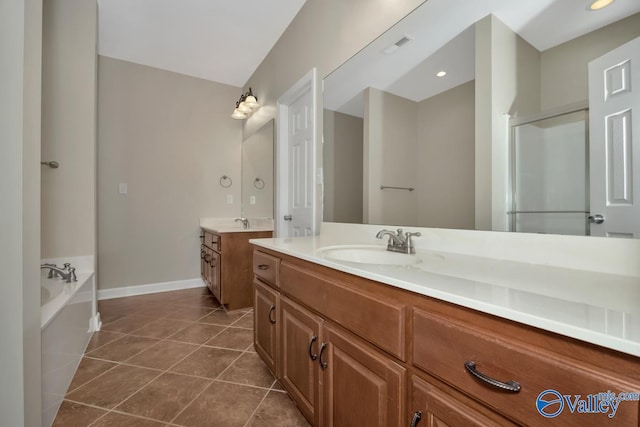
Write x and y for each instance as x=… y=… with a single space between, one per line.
x=122 y=349
x=162 y=355
x=249 y=369
x=113 y=387
x=233 y=338
x=161 y=328
x=206 y=362
x=222 y=405
x=88 y=370
x=277 y=409
x=197 y=333
x=76 y=415
x=164 y=397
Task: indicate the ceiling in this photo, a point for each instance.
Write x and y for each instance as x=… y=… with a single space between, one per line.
x=219 y=40
x=442 y=37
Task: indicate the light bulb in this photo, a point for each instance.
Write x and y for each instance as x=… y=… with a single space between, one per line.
x=237 y=114
x=599 y=4
x=244 y=108
x=251 y=102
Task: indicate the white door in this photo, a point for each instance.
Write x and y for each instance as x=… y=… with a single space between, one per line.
x=614 y=139
x=296 y=146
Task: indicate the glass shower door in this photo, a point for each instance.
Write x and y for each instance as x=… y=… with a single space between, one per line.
x=549 y=175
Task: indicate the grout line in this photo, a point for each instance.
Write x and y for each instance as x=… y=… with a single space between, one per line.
x=256 y=409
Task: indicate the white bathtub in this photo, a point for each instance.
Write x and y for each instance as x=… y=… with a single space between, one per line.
x=69 y=317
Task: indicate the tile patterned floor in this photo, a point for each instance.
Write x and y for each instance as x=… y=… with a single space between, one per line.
x=174 y=359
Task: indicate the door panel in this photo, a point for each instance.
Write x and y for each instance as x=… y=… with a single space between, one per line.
x=614 y=128
x=362 y=387
x=299 y=343
x=265 y=306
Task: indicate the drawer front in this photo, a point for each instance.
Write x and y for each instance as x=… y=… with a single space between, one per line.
x=266 y=267
x=442 y=347
x=379 y=322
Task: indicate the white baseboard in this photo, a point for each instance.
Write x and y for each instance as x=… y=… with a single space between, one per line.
x=151 y=288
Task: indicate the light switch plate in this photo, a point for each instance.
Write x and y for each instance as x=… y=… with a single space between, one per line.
x=252 y=200
x=229 y=199
x=123 y=188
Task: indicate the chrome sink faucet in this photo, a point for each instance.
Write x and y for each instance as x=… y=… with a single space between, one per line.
x=245 y=222
x=67 y=273
x=399 y=242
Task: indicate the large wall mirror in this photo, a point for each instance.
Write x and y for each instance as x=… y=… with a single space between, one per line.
x=257 y=173
x=428 y=125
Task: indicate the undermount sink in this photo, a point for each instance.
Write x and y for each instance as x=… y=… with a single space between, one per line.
x=368 y=254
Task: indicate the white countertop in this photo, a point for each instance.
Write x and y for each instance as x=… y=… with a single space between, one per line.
x=535 y=280
x=230 y=225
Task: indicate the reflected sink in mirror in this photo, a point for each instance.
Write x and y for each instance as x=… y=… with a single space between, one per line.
x=367 y=254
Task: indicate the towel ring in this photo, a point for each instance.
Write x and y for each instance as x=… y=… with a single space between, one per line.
x=258 y=183
x=225 y=181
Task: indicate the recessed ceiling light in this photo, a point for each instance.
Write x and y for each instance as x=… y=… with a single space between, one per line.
x=599 y=4
x=441 y=73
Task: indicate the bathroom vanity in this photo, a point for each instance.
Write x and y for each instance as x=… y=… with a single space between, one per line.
x=225 y=259
x=356 y=341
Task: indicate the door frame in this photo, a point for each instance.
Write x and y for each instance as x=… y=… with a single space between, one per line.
x=307 y=83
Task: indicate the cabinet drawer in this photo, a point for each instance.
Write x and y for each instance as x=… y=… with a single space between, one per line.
x=442 y=347
x=266 y=267
x=379 y=321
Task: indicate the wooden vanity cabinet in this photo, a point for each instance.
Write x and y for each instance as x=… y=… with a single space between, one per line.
x=226 y=266
x=354 y=352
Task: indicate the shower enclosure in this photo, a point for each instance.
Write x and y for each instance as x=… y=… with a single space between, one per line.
x=550 y=173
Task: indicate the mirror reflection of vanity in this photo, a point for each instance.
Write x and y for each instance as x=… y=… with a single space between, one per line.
x=429 y=151
x=257 y=173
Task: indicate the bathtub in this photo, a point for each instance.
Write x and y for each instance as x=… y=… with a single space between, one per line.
x=69 y=317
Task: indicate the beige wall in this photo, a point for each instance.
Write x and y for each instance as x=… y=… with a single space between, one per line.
x=257 y=162
x=20 y=85
x=507 y=82
x=170 y=137
x=68 y=128
x=324 y=34
x=564 y=67
x=342 y=163
x=446 y=159
x=390 y=141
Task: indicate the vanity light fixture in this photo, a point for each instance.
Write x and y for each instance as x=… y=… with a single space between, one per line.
x=245 y=106
x=599 y=4
x=441 y=73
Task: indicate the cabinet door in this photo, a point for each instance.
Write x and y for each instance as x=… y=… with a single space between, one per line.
x=265 y=306
x=361 y=386
x=299 y=343
x=214 y=276
x=432 y=407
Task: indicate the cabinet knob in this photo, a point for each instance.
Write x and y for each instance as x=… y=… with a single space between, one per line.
x=311 y=341
x=323 y=365
x=511 y=386
x=271 y=310
x=263 y=267
x=417 y=416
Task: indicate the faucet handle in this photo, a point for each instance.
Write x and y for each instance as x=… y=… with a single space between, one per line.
x=409 y=243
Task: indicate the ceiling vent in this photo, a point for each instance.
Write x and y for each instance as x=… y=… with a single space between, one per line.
x=397 y=45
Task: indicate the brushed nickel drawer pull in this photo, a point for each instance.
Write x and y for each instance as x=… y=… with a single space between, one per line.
x=271 y=310
x=323 y=365
x=311 y=355
x=417 y=416
x=263 y=267
x=511 y=386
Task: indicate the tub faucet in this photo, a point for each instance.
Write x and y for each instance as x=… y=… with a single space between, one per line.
x=399 y=242
x=245 y=222
x=67 y=273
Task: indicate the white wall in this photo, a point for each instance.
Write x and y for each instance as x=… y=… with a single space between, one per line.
x=507 y=83
x=20 y=85
x=446 y=159
x=170 y=137
x=69 y=128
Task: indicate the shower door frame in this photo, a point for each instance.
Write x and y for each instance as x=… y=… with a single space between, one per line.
x=531 y=118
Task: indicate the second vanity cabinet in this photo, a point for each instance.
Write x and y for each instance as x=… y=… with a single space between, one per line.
x=225 y=265
x=354 y=352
